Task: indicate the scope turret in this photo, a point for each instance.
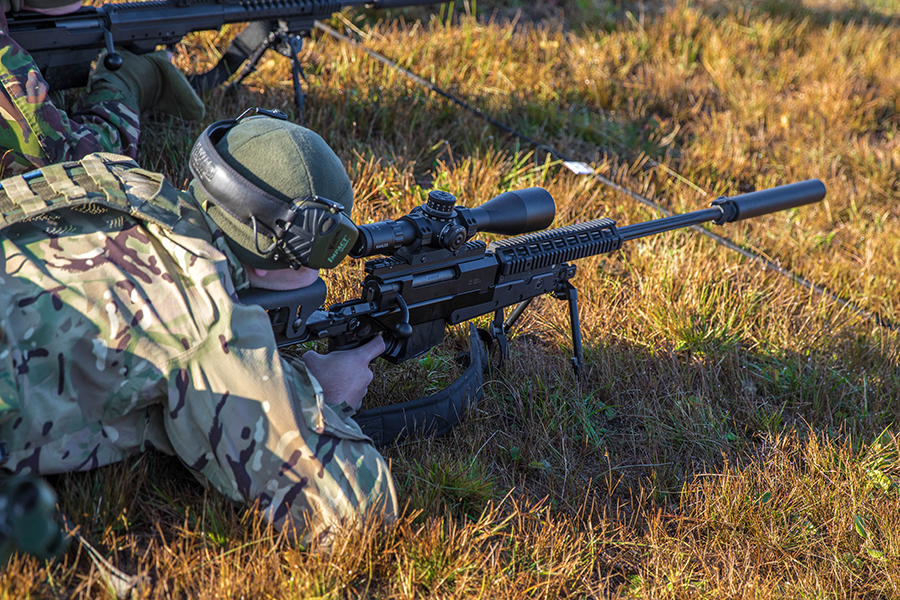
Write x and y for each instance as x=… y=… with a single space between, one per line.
x=440 y=223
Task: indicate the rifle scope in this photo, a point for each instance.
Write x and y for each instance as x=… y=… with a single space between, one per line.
x=439 y=223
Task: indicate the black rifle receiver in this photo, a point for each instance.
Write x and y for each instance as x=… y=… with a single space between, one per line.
x=64 y=46
x=435 y=275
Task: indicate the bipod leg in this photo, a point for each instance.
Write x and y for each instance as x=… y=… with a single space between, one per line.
x=299 y=94
x=515 y=314
x=244 y=51
x=250 y=65
x=291 y=45
x=571 y=294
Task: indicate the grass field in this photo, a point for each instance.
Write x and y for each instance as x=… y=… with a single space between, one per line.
x=734 y=434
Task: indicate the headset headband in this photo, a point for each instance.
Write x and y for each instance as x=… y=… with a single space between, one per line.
x=230 y=190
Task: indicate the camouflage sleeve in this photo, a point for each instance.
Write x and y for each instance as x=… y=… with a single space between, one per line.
x=35 y=133
x=256 y=427
x=9 y=405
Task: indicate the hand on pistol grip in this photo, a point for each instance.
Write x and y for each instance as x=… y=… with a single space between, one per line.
x=345 y=374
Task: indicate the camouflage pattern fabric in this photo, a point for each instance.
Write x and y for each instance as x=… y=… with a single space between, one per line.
x=35 y=133
x=123 y=334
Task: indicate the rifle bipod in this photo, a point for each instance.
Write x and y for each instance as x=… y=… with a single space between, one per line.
x=283 y=41
x=500 y=327
x=245 y=51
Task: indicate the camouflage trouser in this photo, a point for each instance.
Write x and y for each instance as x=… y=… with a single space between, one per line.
x=35 y=133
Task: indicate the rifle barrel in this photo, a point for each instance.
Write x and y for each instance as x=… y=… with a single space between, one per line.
x=735 y=208
x=639 y=230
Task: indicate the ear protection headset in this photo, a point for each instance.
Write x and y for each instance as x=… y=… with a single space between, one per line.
x=313 y=232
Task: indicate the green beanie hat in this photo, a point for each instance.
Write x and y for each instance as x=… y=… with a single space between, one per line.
x=285 y=160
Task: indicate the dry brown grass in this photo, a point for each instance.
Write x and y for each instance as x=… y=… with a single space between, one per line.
x=734 y=434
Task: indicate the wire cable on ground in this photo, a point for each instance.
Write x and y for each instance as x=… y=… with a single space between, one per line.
x=582 y=168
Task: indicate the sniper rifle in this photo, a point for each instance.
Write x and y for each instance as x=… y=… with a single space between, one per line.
x=433 y=274
x=64 y=46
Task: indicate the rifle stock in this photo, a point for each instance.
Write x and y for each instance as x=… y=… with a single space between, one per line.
x=427 y=283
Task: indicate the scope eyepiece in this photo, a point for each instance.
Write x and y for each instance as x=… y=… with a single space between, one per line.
x=383 y=237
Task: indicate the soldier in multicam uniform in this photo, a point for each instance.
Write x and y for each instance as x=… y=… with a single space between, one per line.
x=35 y=132
x=121 y=332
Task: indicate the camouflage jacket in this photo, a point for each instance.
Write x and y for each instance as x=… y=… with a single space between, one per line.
x=35 y=133
x=122 y=332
